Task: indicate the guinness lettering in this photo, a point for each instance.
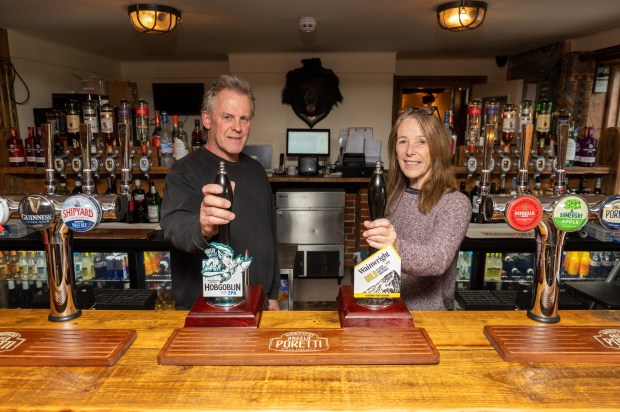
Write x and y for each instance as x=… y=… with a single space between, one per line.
x=37 y=211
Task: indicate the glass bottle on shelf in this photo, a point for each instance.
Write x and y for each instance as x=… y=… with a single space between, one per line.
x=111 y=189
x=72 y=118
x=39 y=149
x=197 y=136
x=153 y=204
x=106 y=116
x=155 y=139
x=509 y=123
x=571 y=146
x=165 y=142
x=543 y=123
x=597 y=186
x=30 y=153
x=62 y=187
x=17 y=154
x=142 y=125
x=91 y=117
x=474 y=122
x=138 y=203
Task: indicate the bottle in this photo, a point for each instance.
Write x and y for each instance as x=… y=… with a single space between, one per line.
x=543 y=123
x=165 y=142
x=584 y=264
x=123 y=109
x=597 y=186
x=90 y=116
x=178 y=137
x=78 y=187
x=491 y=116
x=474 y=121
x=197 y=136
x=142 y=126
x=17 y=154
x=39 y=148
x=77 y=266
x=502 y=186
x=72 y=118
x=13 y=295
x=153 y=204
x=106 y=115
x=582 y=185
x=475 y=207
x=13 y=265
x=493 y=189
x=111 y=189
x=572 y=268
x=448 y=124
x=463 y=189
x=138 y=203
x=223 y=180
x=509 y=124
x=513 y=186
x=29 y=150
x=571 y=146
x=537 y=186
x=588 y=149
x=595 y=265
x=62 y=188
x=99 y=266
x=87 y=267
x=155 y=139
x=41 y=266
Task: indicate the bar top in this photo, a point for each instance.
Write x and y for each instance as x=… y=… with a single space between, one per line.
x=470 y=375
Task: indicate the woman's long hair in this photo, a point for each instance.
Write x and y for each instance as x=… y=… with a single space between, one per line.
x=441 y=176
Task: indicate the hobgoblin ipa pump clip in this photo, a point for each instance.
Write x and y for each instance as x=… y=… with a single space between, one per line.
x=223 y=274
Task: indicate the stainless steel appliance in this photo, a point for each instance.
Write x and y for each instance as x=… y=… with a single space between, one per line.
x=314 y=220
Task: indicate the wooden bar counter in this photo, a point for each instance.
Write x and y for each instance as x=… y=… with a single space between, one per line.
x=470 y=375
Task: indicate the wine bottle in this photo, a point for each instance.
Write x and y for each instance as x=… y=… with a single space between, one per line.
x=223 y=180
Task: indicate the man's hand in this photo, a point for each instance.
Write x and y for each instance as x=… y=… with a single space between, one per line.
x=214 y=209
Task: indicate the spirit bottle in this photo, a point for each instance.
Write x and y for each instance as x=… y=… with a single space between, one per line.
x=448 y=123
x=139 y=214
x=543 y=123
x=30 y=153
x=223 y=180
x=197 y=136
x=72 y=116
x=155 y=139
x=474 y=122
x=125 y=116
x=142 y=126
x=509 y=124
x=165 y=142
x=89 y=114
x=491 y=116
x=39 y=149
x=571 y=146
x=106 y=115
x=17 y=155
x=153 y=204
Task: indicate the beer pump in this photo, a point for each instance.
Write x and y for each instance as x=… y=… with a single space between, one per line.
x=550 y=216
x=56 y=217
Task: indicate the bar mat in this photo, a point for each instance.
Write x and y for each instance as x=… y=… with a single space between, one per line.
x=110 y=299
x=573 y=344
x=55 y=347
x=348 y=346
x=115 y=234
x=508 y=300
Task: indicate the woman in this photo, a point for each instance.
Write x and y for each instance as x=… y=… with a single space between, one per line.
x=426 y=217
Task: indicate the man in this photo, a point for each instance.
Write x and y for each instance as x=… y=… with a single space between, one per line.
x=192 y=210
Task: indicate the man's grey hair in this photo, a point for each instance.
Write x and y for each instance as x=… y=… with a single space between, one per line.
x=227 y=81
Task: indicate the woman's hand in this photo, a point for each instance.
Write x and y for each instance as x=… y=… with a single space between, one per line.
x=214 y=209
x=380 y=233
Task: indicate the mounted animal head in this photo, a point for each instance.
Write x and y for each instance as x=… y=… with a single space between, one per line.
x=311 y=91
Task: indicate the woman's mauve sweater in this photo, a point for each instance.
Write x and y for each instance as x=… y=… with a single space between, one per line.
x=428 y=245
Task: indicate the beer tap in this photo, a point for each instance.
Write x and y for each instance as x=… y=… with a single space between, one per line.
x=88 y=185
x=551 y=217
x=56 y=217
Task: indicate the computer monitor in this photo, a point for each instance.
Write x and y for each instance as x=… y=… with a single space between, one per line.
x=307 y=142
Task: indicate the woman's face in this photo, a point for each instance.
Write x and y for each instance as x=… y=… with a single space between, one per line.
x=413 y=153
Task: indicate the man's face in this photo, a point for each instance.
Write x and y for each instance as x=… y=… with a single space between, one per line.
x=229 y=124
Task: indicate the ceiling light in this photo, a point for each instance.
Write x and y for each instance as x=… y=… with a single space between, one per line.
x=307 y=24
x=461 y=15
x=153 y=18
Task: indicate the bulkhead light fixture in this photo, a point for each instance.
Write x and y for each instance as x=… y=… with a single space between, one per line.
x=461 y=15
x=153 y=18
